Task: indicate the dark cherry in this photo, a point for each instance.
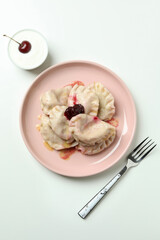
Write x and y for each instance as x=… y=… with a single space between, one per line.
x=69 y=112
x=78 y=108
x=24 y=47
x=73 y=111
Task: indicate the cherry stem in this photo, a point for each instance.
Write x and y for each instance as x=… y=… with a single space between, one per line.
x=4 y=35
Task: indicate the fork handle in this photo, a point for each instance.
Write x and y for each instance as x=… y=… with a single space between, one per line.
x=96 y=199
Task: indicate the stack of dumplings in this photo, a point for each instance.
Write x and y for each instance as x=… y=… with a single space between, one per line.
x=88 y=132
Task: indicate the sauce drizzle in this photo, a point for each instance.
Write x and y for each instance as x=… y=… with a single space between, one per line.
x=66 y=153
x=114 y=122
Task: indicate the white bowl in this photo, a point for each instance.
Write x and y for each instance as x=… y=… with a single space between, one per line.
x=35 y=57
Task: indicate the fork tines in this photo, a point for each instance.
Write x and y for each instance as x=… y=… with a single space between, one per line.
x=138 y=154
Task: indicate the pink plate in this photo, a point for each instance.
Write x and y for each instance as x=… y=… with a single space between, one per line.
x=78 y=165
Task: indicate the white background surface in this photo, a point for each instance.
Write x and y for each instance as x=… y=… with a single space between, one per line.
x=38 y=204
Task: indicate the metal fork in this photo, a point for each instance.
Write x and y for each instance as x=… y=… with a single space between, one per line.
x=137 y=155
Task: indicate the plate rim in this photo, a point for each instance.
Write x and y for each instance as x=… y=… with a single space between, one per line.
x=81 y=62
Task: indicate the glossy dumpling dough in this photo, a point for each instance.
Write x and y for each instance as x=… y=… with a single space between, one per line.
x=51 y=137
x=90 y=130
x=59 y=123
x=54 y=97
x=106 y=101
x=86 y=97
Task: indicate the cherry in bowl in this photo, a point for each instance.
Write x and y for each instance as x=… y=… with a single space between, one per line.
x=24 y=46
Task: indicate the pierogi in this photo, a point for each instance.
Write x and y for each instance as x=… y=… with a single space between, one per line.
x=86 y=97
x=59 y=123
x=64 y=124
x=98 y=147
x=54 y=98
x=92 y=149
x=90 y=130
x=51 y=137
x=106 y=101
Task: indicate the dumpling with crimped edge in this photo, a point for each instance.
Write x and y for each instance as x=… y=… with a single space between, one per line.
x=92 y=149
x=51 y=137
x=86 y=97
x=97 y=148
x=90 y=130
x=59 y=123
x=54 y=97
x=48 y=101
x=106 y=101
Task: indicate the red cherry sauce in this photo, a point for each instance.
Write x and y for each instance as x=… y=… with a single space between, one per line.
x=114 y=122
x=74 y=99
x=75 y=82
x=66 y=153
x=96 y=119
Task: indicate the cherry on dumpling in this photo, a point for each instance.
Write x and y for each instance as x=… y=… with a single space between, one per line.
x=73 y=111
